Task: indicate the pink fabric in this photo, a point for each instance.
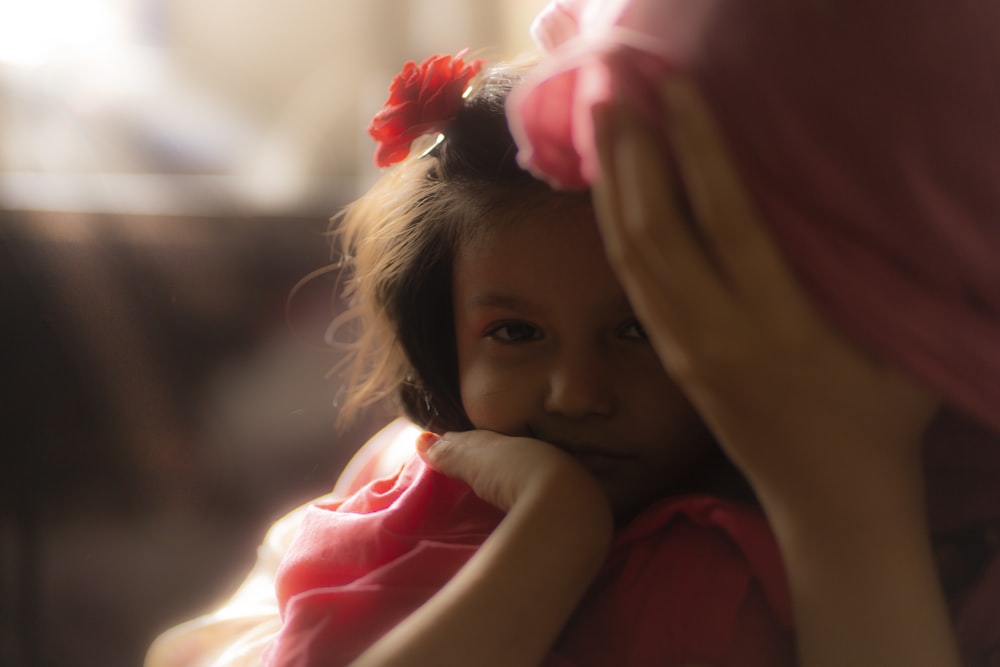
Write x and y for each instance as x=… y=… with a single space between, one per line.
x=865 y=131
x=694 y=579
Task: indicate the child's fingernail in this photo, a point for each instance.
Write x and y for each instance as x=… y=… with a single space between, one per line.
x=426 y=440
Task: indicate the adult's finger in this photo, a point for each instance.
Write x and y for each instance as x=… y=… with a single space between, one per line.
x=646 y=230
x=729 y=220
x=672 y=284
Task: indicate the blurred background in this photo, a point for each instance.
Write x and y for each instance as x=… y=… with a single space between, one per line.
x=167 y=172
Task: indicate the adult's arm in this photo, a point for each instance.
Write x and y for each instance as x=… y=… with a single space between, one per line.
x=828 y=436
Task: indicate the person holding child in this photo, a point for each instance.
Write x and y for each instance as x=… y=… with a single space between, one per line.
x=846 y=230
x=651 y=437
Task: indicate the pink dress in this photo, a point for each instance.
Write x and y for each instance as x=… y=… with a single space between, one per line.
x=694 y=579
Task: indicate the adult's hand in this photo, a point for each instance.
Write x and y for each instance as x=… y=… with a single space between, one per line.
x=791 y=399
x=828 y=436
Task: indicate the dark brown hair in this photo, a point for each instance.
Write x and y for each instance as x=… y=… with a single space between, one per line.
x=399 y=241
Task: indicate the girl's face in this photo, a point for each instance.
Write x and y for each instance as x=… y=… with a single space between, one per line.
x=548 y=347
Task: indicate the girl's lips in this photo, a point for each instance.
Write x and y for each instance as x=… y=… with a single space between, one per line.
x=600 y=465
x=598 y=461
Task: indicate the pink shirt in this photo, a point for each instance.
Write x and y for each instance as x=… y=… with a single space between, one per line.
x=692 y=580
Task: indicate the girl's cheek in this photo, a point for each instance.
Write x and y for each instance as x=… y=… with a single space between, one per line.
x=493 y=400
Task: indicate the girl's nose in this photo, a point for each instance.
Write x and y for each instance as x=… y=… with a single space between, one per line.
x=580 y=384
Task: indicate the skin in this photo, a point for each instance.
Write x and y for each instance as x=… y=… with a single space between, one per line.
x=579 y=427
x=829 y=437
x=549 y=347
x=508 y=604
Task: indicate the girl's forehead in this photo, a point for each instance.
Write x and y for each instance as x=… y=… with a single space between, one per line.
x=551 y=267
x=549 y=243
x=488 y=225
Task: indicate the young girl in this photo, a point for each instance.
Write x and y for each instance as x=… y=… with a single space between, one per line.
x=604 y=526
x=595 y=521
x=487 y=304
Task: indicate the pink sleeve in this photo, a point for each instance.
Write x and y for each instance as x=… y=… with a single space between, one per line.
x=696 y=580
x=359 y=566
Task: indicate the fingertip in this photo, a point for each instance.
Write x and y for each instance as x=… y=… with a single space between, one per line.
x=426 y=441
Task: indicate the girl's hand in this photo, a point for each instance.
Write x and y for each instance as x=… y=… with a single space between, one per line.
x=502 y=469
x=509 y=603
x=797 y=406
x=828 y=436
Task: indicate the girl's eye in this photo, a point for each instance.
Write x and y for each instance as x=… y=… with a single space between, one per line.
x=514 y=332
x=632 y=330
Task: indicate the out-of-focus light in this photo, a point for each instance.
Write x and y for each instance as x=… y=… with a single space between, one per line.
x=38 y=31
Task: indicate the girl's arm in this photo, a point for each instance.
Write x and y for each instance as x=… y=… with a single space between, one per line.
x=829 y=437
x=507 y=606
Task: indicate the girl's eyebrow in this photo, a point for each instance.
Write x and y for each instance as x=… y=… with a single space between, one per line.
x=499 y=300
x=491 y=299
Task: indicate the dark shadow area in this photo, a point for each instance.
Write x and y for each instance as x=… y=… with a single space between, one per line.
x=158 y=414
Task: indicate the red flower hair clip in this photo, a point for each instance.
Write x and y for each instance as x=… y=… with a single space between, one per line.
x=423 y=98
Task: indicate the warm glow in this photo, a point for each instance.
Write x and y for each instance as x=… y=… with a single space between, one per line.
x=39 y=31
